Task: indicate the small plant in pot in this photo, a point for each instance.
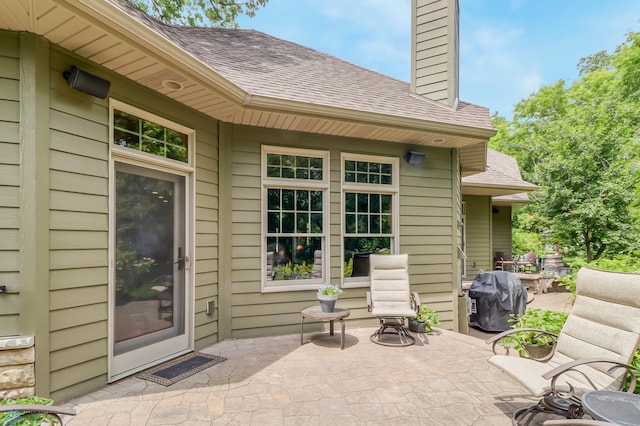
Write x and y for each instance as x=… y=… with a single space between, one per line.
x=327 y=295
x=424 y=320
x=535 y=344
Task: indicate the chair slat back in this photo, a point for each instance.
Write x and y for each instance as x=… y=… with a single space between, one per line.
x=390 y=286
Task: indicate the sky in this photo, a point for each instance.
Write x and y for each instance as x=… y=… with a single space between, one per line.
x=508 y=48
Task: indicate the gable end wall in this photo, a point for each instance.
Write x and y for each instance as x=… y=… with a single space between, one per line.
x=425 y=232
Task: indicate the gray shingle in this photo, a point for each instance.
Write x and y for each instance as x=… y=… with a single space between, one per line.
x=502 y=171
x=264 y=65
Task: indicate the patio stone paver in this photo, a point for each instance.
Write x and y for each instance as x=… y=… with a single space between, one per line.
x=443 y=379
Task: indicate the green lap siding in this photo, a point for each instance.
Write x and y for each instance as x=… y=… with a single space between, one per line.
x=502 y=233
x=76 y=196
x=206 y=232
x=80 y=221
x=9 y=183
x=78 y=236
x=425 y=231
x=478 y=230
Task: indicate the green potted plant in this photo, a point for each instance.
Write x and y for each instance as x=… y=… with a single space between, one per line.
x=424 y=320
x=539 y=342
x=327 y=296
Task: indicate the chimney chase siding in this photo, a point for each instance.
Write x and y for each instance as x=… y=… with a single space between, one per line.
x=435 y=50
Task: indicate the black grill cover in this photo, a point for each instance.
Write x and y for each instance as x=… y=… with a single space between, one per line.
x=497 y=294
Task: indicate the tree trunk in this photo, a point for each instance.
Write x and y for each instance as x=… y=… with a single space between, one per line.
x=589 y=249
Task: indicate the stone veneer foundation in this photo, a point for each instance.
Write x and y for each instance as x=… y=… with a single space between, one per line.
x=17 y=374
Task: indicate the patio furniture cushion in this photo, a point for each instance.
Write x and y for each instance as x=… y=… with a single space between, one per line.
x=529 y=374
x=604 y=323
x=390 y=291
x=391 y=300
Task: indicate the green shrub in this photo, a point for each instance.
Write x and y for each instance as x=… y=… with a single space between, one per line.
x=527 y=242
x=568 y=282
x=34 y=420
x=541 y=319
x=348 y=267
x=620 y=263
x=290 y=271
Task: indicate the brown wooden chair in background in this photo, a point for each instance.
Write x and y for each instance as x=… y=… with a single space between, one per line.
x=529 y=263
x=502 y=261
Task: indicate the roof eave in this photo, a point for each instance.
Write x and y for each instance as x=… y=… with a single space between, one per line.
x=274 y=104
x=153 y=42
x=497 y=201
x=494 y=190
x=164 y=49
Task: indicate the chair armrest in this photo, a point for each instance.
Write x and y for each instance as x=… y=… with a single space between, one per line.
x=415 y=301
x=38 y=408
x=495 y=340
x=23 y=411
x=369 y=304
x=555 y=374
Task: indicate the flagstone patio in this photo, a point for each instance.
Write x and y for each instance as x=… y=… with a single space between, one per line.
x=444 y=379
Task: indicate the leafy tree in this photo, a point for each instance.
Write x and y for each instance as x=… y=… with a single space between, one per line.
x=594 y=62
x=627 y=63
x=214 y=13
x=580 y=145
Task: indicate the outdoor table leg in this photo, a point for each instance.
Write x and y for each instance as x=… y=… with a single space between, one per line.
x=315 y=313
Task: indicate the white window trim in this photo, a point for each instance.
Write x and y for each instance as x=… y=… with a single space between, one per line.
x=272 y=286
x=393 y=189
x=125 y=152
x=143 y=159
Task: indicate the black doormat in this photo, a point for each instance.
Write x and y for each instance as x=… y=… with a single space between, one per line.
x=173 y=371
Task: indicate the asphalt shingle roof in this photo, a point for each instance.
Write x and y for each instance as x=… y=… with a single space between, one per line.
x=263 y=65
x=502 y=171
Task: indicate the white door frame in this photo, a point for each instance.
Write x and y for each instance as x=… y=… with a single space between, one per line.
x=124 y=363
x=127 y=366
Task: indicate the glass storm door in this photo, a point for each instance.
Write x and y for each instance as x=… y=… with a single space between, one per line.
x=148 y=305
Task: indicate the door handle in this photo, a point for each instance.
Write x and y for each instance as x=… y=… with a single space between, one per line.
x=180 y=261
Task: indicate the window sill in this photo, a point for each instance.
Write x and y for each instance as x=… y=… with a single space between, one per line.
x=360 y=282
x=292 y=285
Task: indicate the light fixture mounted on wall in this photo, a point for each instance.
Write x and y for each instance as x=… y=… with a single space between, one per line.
x=86 y=82
x=414 y=158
